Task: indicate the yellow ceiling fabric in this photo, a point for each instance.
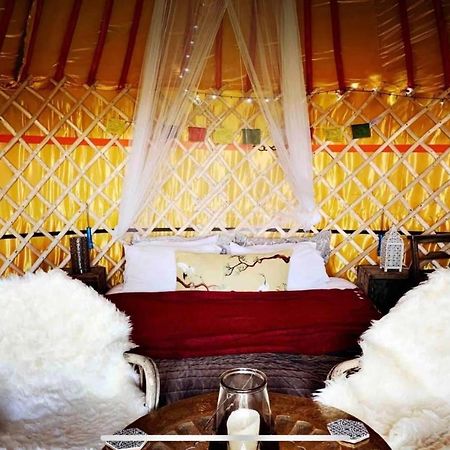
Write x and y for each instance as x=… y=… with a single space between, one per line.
x=62 y=145
x=371 y=42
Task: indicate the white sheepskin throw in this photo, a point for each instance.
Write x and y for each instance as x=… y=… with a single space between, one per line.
x=403 y=388
x=63 y=379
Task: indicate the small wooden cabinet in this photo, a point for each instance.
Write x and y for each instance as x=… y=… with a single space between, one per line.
x=383 y=288
x=95 y=278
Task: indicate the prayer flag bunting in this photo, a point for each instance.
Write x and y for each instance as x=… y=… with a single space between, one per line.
x=116 y=126
x=333 y=134
x=361 y=130
x=197 y=134
x=223 y=136
x=251 y=136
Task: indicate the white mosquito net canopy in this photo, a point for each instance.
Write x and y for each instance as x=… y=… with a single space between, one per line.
x=179 y=44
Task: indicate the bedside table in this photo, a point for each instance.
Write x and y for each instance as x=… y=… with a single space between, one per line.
x=95 y=278
x=383 y=288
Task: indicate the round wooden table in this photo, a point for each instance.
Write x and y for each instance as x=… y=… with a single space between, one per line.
x=292 y=415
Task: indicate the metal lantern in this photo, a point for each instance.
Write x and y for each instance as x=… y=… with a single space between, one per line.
x=392 y=246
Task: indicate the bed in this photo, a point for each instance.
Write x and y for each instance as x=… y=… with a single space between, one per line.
x=294 y=335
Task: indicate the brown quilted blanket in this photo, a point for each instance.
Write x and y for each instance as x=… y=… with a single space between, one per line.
x=286 y=373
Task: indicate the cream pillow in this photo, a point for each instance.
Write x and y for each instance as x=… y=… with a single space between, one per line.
x=306 y=268
x=211 y=272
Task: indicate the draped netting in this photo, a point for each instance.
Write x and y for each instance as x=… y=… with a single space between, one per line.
x=180 y=39
x=275 y=71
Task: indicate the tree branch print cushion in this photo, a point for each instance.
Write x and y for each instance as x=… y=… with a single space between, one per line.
x=212 y=272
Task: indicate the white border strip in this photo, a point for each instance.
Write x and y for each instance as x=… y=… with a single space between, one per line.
x=225 y=438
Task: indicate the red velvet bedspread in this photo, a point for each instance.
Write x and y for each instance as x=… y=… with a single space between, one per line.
x=197 y=323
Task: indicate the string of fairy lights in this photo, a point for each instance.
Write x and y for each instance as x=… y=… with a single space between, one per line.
x=197 y=96
x=250 y=98
x=408 y=92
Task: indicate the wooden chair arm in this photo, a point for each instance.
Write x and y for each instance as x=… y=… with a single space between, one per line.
x=148 y=378
x=346 y=368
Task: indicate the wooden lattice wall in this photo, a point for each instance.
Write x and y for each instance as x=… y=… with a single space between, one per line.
x=63 y=148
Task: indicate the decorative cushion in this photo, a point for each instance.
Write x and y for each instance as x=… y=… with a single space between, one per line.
x=321 y=239
x=211 y=272
x=306 y=267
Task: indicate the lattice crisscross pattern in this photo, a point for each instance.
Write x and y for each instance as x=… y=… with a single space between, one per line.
x=399 y=206
x=60 y=154
x=58 y=173
x=224 y=185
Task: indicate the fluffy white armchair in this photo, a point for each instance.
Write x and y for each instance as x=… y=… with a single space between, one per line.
x=64 y=380
x=402 y=389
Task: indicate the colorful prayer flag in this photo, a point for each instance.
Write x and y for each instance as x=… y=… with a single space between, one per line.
x=116 y=126
x=251 y=136
x=223 y=136
x=361 y=130
x=334 y=134
x=197 y=134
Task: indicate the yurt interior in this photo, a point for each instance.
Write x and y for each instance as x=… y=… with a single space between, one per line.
x=225 y=224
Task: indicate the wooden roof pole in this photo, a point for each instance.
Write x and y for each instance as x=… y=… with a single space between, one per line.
x=443 y=41
x=131 y=43
x=67 y=41
x=218 y=48
x=307 y=23
x=106 y=18
x=336 y=30
x=4 y=21
x=406 y=37
x=38 y=6
x=252 y=45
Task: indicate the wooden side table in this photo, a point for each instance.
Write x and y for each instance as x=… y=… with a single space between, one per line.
x=290 y=414
x=95 y=278
x=383 y=288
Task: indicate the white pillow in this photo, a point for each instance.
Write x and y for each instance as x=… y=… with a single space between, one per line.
x=150 y=266
x=306 y=268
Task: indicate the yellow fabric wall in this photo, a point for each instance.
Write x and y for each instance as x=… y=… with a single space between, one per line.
x=45 y=185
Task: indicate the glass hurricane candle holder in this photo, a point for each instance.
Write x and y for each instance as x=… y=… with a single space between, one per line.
x=242 y=392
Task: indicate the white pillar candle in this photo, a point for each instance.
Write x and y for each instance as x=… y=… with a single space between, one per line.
x=243 y=421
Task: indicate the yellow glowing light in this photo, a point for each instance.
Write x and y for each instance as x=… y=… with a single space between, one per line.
x=375 y=79
x=391 y=99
